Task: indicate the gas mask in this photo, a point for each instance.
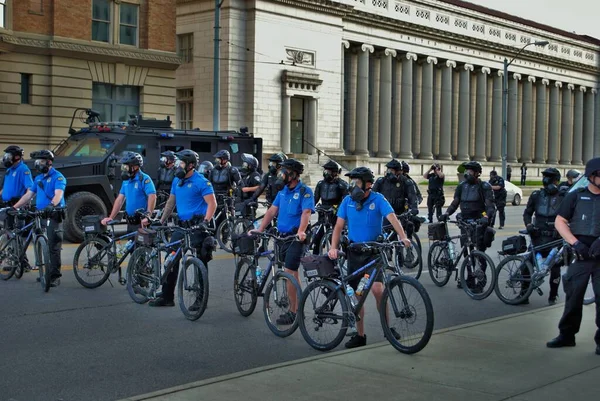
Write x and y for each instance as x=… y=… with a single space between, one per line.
x=357 y=193
x=42 y=165
x=284 y=178
x=8 y=160
x=392 y=176
x=219 y=163
x=165 y=162
x=328 y=175
x=246 y=167
x=549 y=185
x=181 y=171
x=470 y=178
x=127 y=172
x=272 y=168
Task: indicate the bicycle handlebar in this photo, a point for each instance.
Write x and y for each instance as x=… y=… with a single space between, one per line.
x=269 y=235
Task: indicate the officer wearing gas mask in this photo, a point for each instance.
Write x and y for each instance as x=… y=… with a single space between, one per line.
x=545 y=204
x=205 y=168
x=579 y=225
x=269 y=179
x=435 y=191
x=137 y=191
x=193 y=195
x=397 y=189
x=251 y=177
x=499 y=188
x=224 y=177
x=166 y=171
x=572 y=176
x=49 y=186
x=405 y=171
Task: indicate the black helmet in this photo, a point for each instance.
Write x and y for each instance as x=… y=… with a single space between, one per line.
x=592 y=166
x=205 y=168
x=44 y=154
x=223 y=154
x=364 y=173
x=333 y=166
x=573 y=174
x=188 y=156
x=552 y=173
x=394 y=164
x=15 y=150
x=475 y=166
x=251 y=160
x=493 y=173
x=278 y=157
x=132 y=159
x=169 y=155
x=405 y=167
x=293 y=165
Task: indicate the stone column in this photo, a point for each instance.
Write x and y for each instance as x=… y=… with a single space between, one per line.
x=481 y=114
x=286 y=131
x=362 y=101
x=464 y=112
x=385 y=105
x=446 y=112
x=396 y=107
x=553 y=125
x=348 y=100
x=497 y=118
x=313 y=121
x=540 y=122
x=588 y=126
x=527 y=120
x=597 y=122
x=566 y=126
x=407 y=100
x=513 y=112
x=374 y=86
x=427 y=110
x=578 y=127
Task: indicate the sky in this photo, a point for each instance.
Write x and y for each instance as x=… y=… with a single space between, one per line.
x=580 y=16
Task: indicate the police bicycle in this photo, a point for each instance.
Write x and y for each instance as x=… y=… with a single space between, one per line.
x=407 y=259
x=322 y=230
x=13 y=247
x=14 y=241
x=250 y=280
x=225 y=215
x=147 y=271
x=477 y=272
x=326 y=311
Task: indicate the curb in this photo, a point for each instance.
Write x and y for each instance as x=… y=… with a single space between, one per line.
x=381 y=344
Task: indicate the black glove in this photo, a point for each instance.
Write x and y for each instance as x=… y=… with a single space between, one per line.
x=530 y=229
x=595 y=249
x=484 y=221
x=49 y=208
x=581 y=248
x=444 y=217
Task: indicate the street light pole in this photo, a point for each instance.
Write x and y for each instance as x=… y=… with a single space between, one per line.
x=216 y=68
x=541 y=43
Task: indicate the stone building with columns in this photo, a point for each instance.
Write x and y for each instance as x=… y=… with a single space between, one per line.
x=367 y=80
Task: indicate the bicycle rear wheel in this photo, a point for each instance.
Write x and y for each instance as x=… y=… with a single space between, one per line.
x=410 y=260
x=323 y=310
x=410 y=314
x=140 y=274
x=223 y=234
x=8 y=256
x=95 y=265
x=440 y=264
x=23 y=264
x=513 y=280
x=478 y=275
x=280 y=304
x=245 y=288
x=42 y=260
x=192 y=289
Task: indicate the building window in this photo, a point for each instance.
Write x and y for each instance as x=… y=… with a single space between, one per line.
x=297 y=124
x=101 y=21
x=25 y=88
x=2 y=13
x=128 y=29
x=185 y=108
x=115 y=103
x=185 y=44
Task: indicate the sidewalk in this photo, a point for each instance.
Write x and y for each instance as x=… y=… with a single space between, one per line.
x=497 y=359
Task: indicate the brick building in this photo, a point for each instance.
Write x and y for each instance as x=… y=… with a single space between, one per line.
x=116 y=56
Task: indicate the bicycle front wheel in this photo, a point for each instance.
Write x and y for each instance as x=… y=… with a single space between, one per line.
x=192 y=289
x=91 y=263
x=280 y=304
x=440 y=264
x=8 y=256
x=223 y=235
x=140 y=274
x=513 y=280
x=478 y=275
x=245 y=288
x=406 y=315
x=409 y=260
x=42 y=260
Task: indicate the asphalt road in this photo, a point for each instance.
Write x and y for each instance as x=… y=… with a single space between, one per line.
x=76 y=344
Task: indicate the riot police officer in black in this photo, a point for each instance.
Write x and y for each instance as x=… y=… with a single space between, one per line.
x=166 y=171
x=205 y=168
x=269 y=179
x=499 y=188
x=435 y=191
x=224 y=177
x=545 y=204
x=572 y=176
x=397 y=189
x=405 y=170
x=578 y=224
x=250 y=176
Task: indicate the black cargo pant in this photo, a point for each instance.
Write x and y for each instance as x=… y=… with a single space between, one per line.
x=500 y=205
x=55 y=239
x=435 y=201
x=575 y=284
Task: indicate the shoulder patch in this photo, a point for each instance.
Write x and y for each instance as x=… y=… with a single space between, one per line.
x=27 y=172
x=307 y=195
x=208 y=184
x=60 y=178
x=147 y=181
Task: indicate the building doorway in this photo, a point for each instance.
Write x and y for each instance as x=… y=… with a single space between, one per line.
x=297 y=116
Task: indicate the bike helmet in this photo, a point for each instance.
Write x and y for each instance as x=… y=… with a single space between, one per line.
x=364 y=173
x=170 y=155
x=573 y=174
x=552 y=173
x=223 y=154
x=251 y=160
x=15 y=150
x=188 y=156
x=394 y=164
x=205 y=168
x=132 y=159
x=592 y=167
x=44 y=154
x=333 y=166
x=405 y=167
x=278 y=157
x=475 y=166
x=493 y=173
x=293 y=165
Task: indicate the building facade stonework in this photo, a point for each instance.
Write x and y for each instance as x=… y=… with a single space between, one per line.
x=367 y=80
x=116 y=56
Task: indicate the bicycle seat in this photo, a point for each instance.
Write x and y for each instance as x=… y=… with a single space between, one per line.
x=113 y=222
x=524 y=232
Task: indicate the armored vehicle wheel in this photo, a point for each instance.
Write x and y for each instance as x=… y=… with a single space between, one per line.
x=81 y=204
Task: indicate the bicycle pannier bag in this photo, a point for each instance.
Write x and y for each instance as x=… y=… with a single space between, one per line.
x=92 y=225
x=436 y=231
x=145 y=236
x=514 y=245
x=318 y=266
x=244 y=244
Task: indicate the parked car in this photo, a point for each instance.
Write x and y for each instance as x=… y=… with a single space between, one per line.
x=514 y=194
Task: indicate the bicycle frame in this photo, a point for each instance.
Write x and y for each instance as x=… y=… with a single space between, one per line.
x=274 y=259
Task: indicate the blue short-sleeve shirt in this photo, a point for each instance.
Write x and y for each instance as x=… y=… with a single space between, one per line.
x=189 y=197
x=44 y=187
x=291 y=204
x=365 y=224
x=136 y=191
x=17 y=180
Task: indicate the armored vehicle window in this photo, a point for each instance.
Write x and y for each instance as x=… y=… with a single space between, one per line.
x=202 y=147
x=85 y=147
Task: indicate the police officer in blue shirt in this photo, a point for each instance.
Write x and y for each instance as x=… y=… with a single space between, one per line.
x=195 y=199
x=364 y=211
x=49 y=188
x=137 y=191
x=293 y=207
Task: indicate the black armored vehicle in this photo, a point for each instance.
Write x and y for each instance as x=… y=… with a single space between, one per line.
x=89 y=158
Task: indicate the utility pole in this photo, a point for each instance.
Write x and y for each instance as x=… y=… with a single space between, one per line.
x=216 y=68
